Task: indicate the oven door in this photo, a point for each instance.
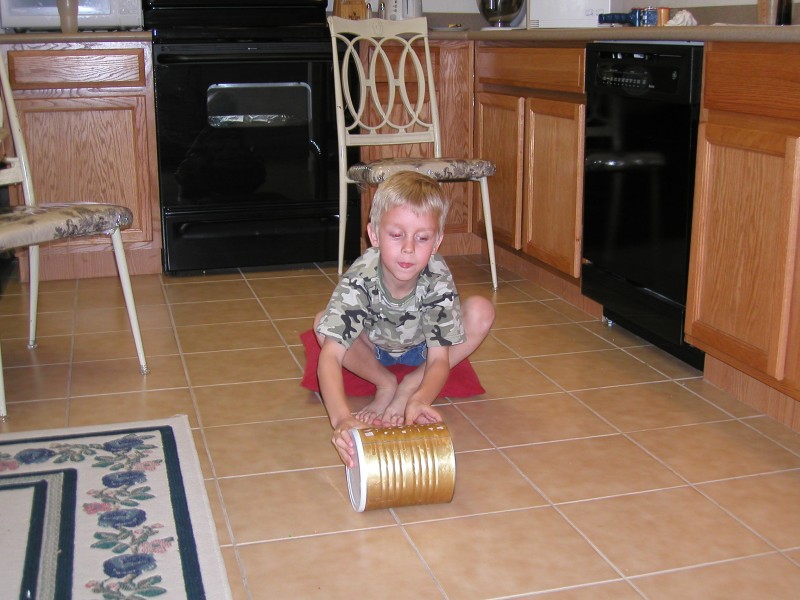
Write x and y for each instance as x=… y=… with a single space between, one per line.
x=247 y=152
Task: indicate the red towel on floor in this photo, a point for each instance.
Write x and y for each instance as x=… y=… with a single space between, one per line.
x=462 y=383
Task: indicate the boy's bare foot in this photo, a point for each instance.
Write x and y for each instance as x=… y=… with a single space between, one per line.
x=371 y=413
x=394 y=414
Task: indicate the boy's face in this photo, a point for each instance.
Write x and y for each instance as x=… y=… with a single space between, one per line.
x=406 y=241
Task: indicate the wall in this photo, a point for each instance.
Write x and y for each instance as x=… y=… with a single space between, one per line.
x=471 y=6
x=706 y=12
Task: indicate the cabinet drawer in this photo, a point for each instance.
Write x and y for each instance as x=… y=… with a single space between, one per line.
x=758 y=79
x=59 y=69
x=559 y=69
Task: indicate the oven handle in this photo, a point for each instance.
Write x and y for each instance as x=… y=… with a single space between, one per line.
x=186 y=59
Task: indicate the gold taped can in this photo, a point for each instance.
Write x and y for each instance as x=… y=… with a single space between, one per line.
x=401 y=466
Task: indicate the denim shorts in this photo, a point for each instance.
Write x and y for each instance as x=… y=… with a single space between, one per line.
x=412 y=357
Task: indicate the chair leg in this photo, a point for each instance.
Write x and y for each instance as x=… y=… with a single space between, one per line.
x=127 y=291
x=487 y=218
x=342 y=220
x=33 y=284
x=3 y=409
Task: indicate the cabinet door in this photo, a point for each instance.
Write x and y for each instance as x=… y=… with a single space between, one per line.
x=744 y=244
x=553 y=205
x=105 y=137
x=499 y=137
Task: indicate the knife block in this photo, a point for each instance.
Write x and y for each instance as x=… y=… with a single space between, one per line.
x=355 y=10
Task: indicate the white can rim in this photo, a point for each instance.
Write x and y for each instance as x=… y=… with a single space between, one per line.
x=356 y=482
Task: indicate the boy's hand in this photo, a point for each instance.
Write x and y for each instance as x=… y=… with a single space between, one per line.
x=343 y=439
x=419 y=413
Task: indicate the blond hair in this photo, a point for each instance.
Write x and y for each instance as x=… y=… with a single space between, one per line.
x=420 y=193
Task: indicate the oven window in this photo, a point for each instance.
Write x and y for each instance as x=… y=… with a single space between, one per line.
x=260 y=105
x=262 y=136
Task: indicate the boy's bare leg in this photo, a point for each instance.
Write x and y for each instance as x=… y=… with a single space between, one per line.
x=360 y=360
x=478 y=315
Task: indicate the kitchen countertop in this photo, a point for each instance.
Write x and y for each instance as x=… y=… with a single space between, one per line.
x=56 y=37
x=703 y=33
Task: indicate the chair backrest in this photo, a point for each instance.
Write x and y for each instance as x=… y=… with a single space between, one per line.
x=18 y=168
x=389 y=98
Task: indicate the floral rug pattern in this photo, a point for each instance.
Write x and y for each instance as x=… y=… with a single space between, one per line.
x=133 y=534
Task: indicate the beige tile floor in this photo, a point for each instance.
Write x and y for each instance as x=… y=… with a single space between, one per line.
x=595 y=466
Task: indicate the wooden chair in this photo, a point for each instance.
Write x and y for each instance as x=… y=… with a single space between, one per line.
x=32 y=224
x=404 y=111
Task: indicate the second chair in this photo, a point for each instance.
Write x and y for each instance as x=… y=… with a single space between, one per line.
x=405 y=112
x=32 y=224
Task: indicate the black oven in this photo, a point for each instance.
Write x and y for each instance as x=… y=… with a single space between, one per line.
x=247 y=147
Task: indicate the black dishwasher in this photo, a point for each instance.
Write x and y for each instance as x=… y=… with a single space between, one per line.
x=643 y=103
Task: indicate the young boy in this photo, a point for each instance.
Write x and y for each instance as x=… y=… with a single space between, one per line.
x=397 y=304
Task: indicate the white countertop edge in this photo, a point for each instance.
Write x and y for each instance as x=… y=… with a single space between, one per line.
x=45 y=37
x=703 y=33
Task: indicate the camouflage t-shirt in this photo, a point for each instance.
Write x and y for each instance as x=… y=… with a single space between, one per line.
x=431 y=314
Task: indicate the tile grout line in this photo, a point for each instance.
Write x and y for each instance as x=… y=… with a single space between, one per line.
x=202 y=432
x=624 y=434
x=71 y=370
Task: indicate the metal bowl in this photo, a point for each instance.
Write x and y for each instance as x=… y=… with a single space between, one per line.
x=500 y=13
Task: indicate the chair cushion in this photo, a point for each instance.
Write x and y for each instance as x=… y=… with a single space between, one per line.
x=440 y=169
x=28 y=225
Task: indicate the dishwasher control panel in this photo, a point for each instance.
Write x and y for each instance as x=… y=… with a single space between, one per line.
x=632 y=77
x=661 y=70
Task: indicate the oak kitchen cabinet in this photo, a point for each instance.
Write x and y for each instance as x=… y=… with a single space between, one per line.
x=744 y=300
x=87 y=112
x=530 y=113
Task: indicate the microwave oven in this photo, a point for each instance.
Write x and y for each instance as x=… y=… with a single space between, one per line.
x=92 y=14
x=572 y=13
